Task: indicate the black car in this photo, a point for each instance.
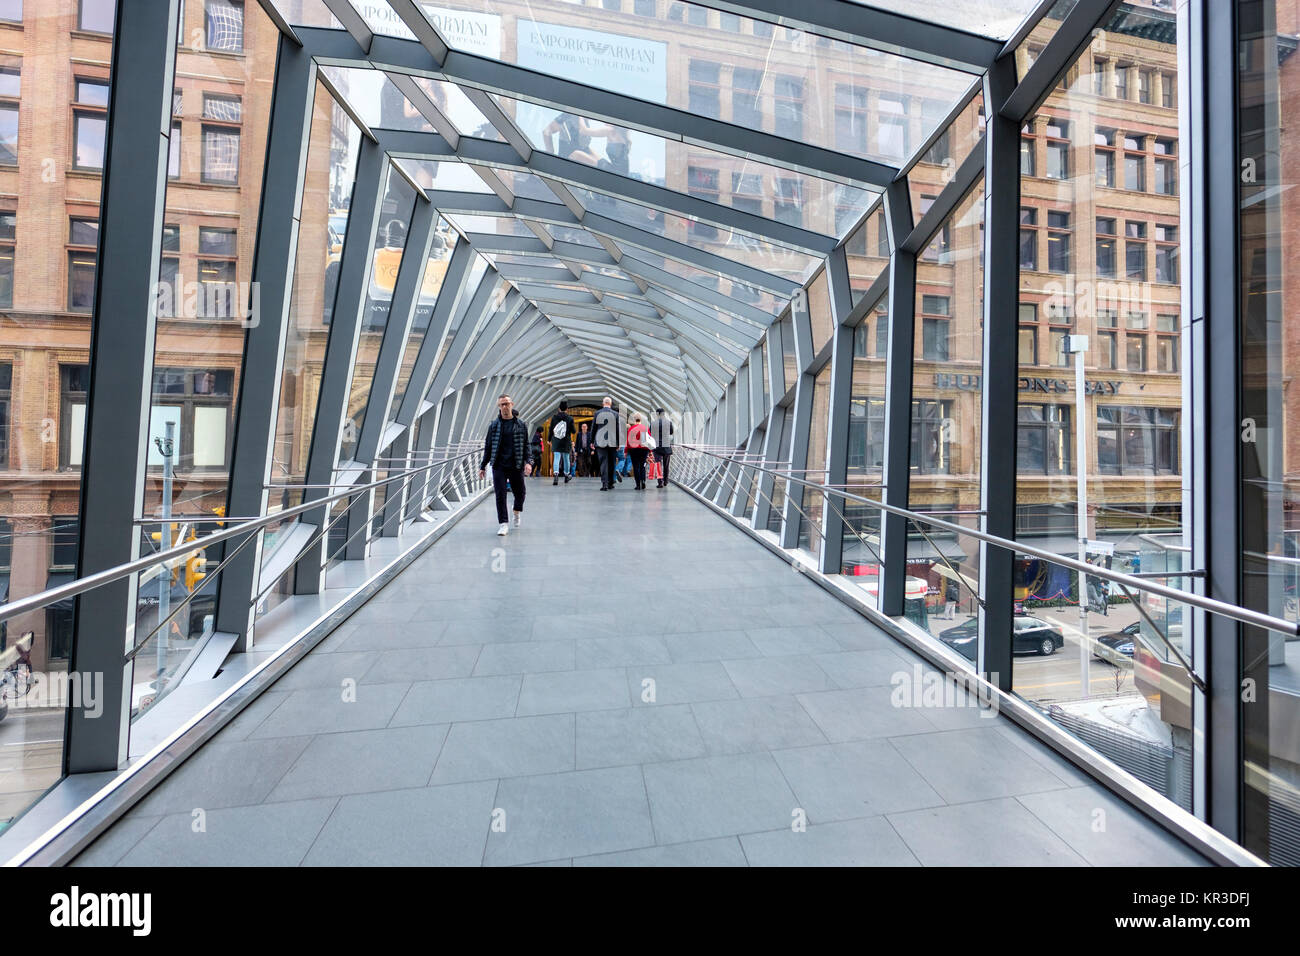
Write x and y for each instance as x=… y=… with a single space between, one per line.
x=1112 y=648
x=1031 y=635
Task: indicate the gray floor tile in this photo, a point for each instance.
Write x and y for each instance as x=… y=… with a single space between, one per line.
x=857 y=779
x=385 y=637
x=324 y=710
x=569 y=815
x=989 y=833
x=771 y=676
x=564 y=692
x=435 y=826
x=976 y=764
x=862 y=714
x=326 y=670
x=710 y=646
x=717 y=796
x=224 y=774
x=610 y=738
x=779 y=641
x=621 y=651
x=271 y=834
x=848 y=669
x=423 y=663
x=571 y=626
x=1105 y=831
x=115 y=842
x=859 y=635
x=525 y=657
x=724 y=851
x=512 y=747
x=660 y=685
x=867 y=842
x=248 y=719
x=458 y=698
x=487 y=631
x=363 y=761
x=765 y=723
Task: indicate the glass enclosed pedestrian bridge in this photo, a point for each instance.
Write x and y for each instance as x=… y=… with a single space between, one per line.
x=979 y=516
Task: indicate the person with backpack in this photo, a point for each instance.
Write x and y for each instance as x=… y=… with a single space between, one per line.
x=506 y=448
x=608 y=430
x=662 y=431
x=561 y=443
x=639 y=444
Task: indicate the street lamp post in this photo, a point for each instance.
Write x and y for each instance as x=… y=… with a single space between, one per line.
x=1077 y=345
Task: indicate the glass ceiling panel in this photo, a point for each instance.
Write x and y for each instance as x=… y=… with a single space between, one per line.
x=307 y=13
x=759 y=299
x=526 y=185
x=456 y=106
x=810 y=202
x=496 y=225
x=743 y=71
x=373 y=97
x=448 y=177
x=991 y=18
x=570 y=234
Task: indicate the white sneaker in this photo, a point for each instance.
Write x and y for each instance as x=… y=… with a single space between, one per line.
x=504 y=529
x=519 y=517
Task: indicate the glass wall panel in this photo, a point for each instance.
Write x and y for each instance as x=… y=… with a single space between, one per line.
x=1268 y=94
x=327 y=200
x=221 y=102
x=781 y=464
x=435 y=270
x=943 y=568
x=819 y=312
x=866 y=450
x=810 y=521
x=385 y=260
x=1081 y=223
x=868 y=253
x=938 y=165
x=57 y=82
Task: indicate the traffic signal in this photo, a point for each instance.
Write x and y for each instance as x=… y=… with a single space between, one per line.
x=195 y=572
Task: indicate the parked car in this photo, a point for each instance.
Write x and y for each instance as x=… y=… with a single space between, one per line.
x=1117 y=647
x=1030 y=635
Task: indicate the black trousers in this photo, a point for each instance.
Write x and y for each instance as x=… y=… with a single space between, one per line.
x=665 y=455
x=608 y=458
x=639 y=456
x=516 y=478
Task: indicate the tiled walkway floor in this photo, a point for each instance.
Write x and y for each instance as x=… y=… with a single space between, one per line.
x=625 y=680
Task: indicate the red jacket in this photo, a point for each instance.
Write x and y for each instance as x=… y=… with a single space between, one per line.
x=636 y=435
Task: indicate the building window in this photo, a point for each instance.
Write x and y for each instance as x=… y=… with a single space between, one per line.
x=697 y=16
x=788 y=107
x=221 y=118
x=747 y=192
x=198 y=402
x=1137 y=441
x=866 y=434
x=10 y=88
x=1144 y=86
x=1043 y=440
x=643 y=8
x=1135 y=250
x=1121 y=82
x=218 y=249
x=1028 y=333
x=89 y=122
x=703 y=93
x=1167 y=354
x=1058 y=241
x=1028 y=238
x=1168 y=90
x=1028 y=165
x=1135 y=171
x=1058 y=149
x=934 y=328
x=1136 y=348
x=169 y=267
x=83 y=246
x=1167 y=254
x=6 y=389
x=73 y=385
x=729 y=22
x=1108 y=349
x=96 y=16
x=745 y=87
x=703 y=184
x=893 y=139
x=8 y=236
x=223 y=22
x=931 y=428
x=1105 y=152
x=11 y=10
x=787 y=203
x=1099 y=67
x=851 y=119
x=1106 y=243
x=616 y=5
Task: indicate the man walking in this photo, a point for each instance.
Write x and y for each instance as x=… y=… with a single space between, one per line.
x=608 y=431
x=561 y=443
x=506 y=447
x=583 y=451
x=662 y=431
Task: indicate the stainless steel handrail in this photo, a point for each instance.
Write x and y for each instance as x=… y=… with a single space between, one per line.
x=39 y=600
x=1241 y=614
